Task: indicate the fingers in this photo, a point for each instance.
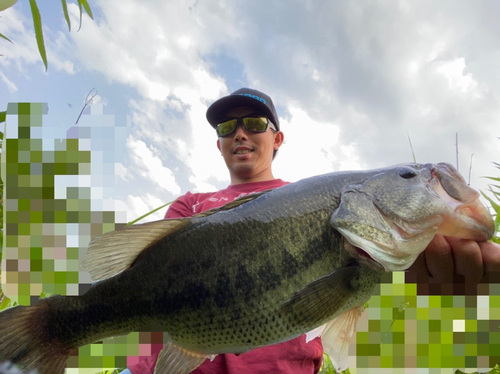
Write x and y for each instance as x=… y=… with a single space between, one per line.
x=445 y=258
x=459 y=263
x=439 y=259
x=468 y=259
x=490 y=253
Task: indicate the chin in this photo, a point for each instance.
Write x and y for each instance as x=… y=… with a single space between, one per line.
x=243 y=170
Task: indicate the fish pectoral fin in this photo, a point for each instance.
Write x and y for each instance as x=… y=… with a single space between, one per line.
x=324 y=297
x=337 y=334
x=176 y=360
x=115 y=251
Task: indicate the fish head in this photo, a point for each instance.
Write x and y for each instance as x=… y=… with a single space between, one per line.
x=394 y=213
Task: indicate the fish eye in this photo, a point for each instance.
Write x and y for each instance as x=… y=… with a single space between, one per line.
x=407 y=173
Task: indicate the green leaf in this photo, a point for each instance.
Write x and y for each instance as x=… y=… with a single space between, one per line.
x=495 y=206
x=5 y=303
x=149 y=213
x=4 y=37
x=3 y=115
x=5 y=4
x=37 y=23
x=411 y=147
x=66 y=14
x=86 y=6
x=493 y=179
x=80 y=7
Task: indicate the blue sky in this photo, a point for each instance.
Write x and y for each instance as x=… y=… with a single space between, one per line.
x=351 y=81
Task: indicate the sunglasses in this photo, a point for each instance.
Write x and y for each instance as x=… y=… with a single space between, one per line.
x=252 y=124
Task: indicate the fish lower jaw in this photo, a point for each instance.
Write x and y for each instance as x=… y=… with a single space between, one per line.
x=362 y=256
x=389 y=263
x=368 y=260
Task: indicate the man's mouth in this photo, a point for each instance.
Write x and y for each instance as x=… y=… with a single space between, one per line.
x=242 y=150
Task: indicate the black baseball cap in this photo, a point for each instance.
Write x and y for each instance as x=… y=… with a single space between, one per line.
x=242 y=97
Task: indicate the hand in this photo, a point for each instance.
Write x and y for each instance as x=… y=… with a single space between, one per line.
x=451 y=260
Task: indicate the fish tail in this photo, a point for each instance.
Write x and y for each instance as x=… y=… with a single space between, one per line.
x=25 y=340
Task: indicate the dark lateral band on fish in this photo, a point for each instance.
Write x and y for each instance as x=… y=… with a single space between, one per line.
x=260 y=270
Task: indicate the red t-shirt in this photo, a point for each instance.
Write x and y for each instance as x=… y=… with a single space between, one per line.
x=291 y=357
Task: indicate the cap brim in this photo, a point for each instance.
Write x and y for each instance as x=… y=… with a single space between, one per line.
x=219 y=108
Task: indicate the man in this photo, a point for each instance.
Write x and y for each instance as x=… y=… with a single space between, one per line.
x=249 y=136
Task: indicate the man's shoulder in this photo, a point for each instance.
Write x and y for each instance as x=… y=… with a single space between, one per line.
x=193 y=203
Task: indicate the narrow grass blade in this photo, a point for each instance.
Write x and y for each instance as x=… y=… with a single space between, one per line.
x=411 y=146
x=4 y=37
x=149 y=213
x=493 y=179
x=37 y=23
x=495 y=206
x=80 y=8
x=66 y=14
x=86 y=6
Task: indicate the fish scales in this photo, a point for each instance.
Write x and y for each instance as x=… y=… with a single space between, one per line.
x=209 y=301
x=229 y=298
x=263 y=269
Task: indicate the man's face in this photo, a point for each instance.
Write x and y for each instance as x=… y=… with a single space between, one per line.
x=248 y=155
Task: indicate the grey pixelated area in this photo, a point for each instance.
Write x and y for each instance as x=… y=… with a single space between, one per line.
x=9 y=368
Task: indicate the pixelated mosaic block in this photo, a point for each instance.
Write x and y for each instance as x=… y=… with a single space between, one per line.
x=403 y=331
x=50 y=209
x=47 y=207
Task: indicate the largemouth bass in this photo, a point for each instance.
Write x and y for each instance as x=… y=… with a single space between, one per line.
x=261 y=270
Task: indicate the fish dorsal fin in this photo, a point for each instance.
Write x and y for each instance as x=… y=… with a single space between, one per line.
x=115 y=251
x=336 y=336
x=176 y=360
x=324 y=297
x=232 y=204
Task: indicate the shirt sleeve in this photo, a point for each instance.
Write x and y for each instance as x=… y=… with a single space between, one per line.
x=182 y=207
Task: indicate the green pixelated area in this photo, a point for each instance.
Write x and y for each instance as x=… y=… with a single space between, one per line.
x=45 y=236
x=402 y=330
x=43 y=233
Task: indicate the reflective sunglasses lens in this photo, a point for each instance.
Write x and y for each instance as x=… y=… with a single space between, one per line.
x=255 y=124
x=226 y=128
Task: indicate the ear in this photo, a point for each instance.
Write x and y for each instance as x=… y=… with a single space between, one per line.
x=218 y=145
x=279 y=137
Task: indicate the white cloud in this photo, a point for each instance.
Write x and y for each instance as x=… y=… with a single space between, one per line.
x=153 y=46
x=311 y=148
x=453 y=71
x=137 y=206
x=149 y=166
x=361 y=76
x=11 y=86
x=19 y=28
x=122 y=172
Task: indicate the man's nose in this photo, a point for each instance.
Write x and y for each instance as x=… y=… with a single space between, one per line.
x=240 y=132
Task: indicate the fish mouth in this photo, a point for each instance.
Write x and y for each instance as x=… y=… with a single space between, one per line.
x=467 y=217
x=363 y=253
x=362 y=256
x=439 y=202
